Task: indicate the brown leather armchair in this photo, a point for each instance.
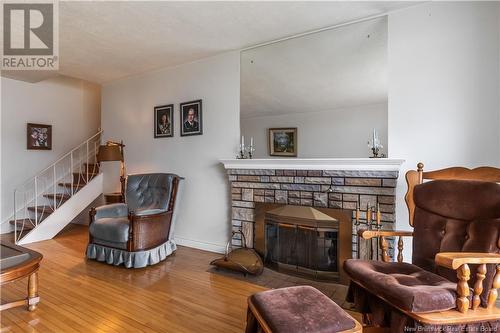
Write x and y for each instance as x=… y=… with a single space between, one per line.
x=139 y=232
x=456 y=221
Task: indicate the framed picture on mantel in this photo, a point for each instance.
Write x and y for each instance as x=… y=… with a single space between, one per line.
x=283 y=142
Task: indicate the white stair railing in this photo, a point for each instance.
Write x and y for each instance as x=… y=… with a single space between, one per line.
x=44 y=193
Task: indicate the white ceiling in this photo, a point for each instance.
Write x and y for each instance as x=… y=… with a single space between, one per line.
x=338 y=68
x=105 y=41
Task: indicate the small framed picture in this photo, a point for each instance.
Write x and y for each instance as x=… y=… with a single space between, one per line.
x=191 y=118
x=164 y=121
x=283 y=141
x=39 y=136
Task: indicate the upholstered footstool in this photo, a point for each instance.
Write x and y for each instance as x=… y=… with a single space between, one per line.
x=296 y=310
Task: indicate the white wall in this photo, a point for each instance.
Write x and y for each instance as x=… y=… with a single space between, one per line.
x=71 y=106
x=443 y=88
x=127 y=114
x=1 y=186
x=334 y=133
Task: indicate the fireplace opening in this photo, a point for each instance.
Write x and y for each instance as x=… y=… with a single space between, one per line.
x=304 y=241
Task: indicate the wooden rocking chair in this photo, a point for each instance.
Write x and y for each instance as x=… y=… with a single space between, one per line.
x=456 y=221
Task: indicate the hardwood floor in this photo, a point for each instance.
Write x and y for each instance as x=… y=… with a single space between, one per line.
x=79 y=295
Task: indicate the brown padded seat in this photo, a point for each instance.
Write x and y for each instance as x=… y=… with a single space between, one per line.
x=404 y=285
x=300 y=309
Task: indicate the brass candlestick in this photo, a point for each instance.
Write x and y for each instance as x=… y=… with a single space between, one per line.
x=369 y=224
x=369 y=216
x=379 y=217
x=379 y=226
x=356 y=223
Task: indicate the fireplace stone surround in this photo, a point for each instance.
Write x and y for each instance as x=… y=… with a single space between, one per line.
x=330 y=183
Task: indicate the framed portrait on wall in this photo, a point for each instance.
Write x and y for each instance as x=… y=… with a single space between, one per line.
x=191 y=118
x=164 y=121
x=39 y=136
x=283 y=142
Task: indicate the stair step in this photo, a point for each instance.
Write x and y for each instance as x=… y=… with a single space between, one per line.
x=11 y=237
x=75 y=186
x=41 y=209
x=82 y=176
x=26 y=222
x=93 y=167
x=60 y=197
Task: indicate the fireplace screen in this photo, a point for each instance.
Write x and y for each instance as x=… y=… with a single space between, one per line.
x=303 y=240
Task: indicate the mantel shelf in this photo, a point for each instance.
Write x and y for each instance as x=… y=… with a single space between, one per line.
x=385 y=164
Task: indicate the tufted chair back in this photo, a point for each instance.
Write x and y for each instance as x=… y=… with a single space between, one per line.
x=455 y=216
x=149 y=192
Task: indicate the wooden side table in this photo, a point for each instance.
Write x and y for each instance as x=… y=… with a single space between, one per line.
x=18 y=262
x=111 y=198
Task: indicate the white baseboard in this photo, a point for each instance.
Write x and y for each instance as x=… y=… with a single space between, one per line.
x=210 y=247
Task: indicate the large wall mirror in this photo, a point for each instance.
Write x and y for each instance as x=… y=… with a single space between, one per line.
x=330 y=85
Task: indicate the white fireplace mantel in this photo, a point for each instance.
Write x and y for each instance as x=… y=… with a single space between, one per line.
x=383 y=164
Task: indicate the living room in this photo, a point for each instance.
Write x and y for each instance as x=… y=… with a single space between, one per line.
x=184 y=160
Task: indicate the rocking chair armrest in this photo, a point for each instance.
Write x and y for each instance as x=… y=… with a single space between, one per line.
x=454 y=260
x=381 y=235
x=460 y=261
x=369 y=234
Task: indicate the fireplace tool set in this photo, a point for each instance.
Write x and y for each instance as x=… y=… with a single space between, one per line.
x=370 y=211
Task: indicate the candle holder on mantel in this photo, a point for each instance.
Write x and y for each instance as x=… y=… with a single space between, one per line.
x=251 y=150
x=375 y=145
x=245 y=152
x=242 y=154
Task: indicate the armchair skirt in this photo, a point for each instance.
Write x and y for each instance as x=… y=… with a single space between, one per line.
x=138 y=259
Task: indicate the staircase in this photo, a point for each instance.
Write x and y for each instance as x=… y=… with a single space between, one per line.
x=46 y=203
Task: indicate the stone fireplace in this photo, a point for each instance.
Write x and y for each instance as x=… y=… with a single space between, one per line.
x=323 y=183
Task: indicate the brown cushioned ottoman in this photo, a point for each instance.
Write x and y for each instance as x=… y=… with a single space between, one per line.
x=297 y=309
